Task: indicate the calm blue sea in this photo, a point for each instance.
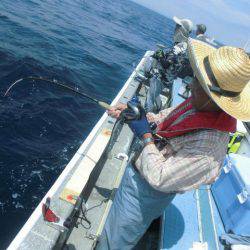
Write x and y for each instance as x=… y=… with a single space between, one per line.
x=94 y=44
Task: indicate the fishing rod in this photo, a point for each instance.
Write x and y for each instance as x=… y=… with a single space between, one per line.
x=60 y=84
x=132 y=112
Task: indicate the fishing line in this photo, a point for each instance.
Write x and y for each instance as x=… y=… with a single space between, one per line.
x=62 y=85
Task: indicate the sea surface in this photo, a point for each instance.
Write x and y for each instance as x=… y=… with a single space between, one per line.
x=91 y=44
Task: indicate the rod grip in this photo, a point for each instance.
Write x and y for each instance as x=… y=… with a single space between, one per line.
x=104 y=105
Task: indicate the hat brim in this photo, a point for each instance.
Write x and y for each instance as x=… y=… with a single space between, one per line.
x=177 y=20
x=239 y=106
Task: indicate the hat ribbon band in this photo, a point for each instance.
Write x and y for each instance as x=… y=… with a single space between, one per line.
x=215 y=87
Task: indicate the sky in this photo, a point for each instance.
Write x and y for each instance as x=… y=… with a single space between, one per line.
x=228 y=21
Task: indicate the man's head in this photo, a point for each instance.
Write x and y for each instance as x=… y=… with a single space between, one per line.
x=200 y=100
x=183 y=29
x=200 y=29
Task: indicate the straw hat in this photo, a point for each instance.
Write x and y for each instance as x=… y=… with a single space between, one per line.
x=224 y=74
x=186 y=24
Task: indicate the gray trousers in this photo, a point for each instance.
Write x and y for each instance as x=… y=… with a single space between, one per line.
x=135 y=206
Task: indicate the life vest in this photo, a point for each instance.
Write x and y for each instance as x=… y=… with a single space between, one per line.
x=184 y=119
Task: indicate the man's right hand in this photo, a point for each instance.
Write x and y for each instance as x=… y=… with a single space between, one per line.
x=116 y=110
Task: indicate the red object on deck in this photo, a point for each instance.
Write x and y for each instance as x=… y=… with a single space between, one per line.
x=48 y=214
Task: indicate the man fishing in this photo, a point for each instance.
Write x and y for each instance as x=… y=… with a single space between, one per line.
x=174 y=58
x=172 y=63
x=183 y=29
x=200 y=33
x=194 y=141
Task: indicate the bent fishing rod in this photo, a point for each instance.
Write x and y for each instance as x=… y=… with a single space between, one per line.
x=132 y=112
x=62 y=85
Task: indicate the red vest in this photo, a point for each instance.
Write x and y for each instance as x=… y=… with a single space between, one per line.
x=184 y=119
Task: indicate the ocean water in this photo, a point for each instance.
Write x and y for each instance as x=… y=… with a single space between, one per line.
x=93 y=44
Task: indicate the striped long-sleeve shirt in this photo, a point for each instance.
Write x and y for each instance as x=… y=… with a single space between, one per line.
x=186 y=161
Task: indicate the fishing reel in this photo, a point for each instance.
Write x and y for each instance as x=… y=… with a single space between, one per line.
x=132 y=112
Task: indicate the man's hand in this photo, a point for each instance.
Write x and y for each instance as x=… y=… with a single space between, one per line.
x=140 y=127
x=150 y=117
x=116 y=110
